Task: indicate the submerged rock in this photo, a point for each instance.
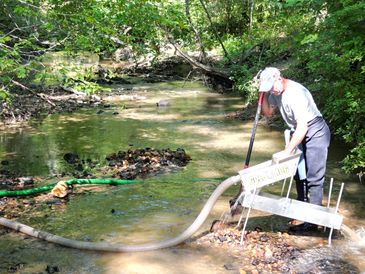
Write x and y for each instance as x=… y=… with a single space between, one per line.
x=52 y=269
x=163 y=103
x=71 y=158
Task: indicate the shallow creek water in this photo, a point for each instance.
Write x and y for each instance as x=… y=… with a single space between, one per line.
x=162 y=206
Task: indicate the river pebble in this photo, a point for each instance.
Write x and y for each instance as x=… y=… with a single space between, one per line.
x=261 y=252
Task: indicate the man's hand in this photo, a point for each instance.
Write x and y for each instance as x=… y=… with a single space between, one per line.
x=298 y=136
x=287 y=151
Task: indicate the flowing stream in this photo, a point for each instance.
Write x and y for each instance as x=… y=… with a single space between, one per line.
x=164 y=205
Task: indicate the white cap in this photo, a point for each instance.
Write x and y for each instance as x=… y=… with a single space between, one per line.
x=267 y=78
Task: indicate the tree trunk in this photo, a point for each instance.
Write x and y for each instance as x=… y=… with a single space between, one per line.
x=252 y=5
x=214 y=30
x=196 y=32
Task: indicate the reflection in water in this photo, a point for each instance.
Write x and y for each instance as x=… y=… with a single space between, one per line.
x=162 y=206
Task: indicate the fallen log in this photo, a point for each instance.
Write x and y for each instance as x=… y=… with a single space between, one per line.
x=220 y=75
x=40 y=95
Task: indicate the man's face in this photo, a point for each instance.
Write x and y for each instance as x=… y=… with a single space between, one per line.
x=277 y=87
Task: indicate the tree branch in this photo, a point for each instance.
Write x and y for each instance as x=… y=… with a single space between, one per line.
x=42 y=96
x=28 y=4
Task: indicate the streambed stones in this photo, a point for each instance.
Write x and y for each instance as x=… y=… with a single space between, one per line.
x=261 y=252
x=130 y=164
x=141 y=162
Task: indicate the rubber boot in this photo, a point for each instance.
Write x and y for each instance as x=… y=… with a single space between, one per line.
x=302 y=193
x=315 y=198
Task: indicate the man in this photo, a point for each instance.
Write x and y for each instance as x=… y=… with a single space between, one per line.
x=310 y=130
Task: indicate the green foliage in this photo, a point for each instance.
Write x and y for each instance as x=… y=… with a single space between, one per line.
x=235 y=46
x=4 y=95
x=337 y=63
x=21 y=28
x=29 y=29
x=355 y=160
x=243 y=79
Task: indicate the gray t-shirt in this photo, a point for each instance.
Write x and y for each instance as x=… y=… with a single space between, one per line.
x=294 y=103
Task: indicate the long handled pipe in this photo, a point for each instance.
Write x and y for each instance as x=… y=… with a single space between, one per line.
x=232 y=202
x=253 y=132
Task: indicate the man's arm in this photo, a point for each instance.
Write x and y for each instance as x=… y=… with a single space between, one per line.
x=298 y=135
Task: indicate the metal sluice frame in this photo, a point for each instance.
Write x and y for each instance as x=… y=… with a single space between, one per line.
x=276 y=170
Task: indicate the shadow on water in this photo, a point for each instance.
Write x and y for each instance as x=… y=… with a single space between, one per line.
x=162 y=206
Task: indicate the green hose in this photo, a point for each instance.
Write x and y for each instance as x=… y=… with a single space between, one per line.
x=24 y=192
x=36 y=190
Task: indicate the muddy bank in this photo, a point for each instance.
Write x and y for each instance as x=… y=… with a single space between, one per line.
x=37 y=102
x=25 y=106
x=248 y=114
